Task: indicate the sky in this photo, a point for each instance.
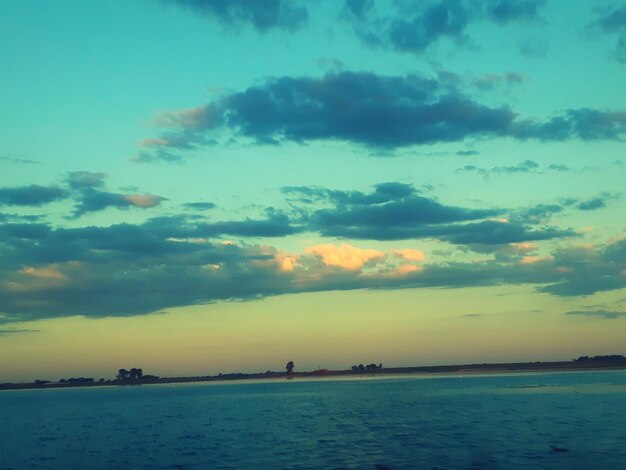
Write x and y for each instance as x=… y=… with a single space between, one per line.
x=199 y=186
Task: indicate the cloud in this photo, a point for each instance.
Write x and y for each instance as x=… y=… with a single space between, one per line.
x=128 y=269
x=588 y=270
x=592 y=204
x=598 y=202
x=33 y=195
x=488 y=82
x=540 y=212
x=559 y=167
x=613 y=22
x=275 y=224
x=344 y=256
x=584 y=123
x=505 y=11
x=415 y=27
x=200 y=206
x=92 y=200
x=408 y=217
x=381 y=112
x=493 y=232
x=359 y=8
x=262 y=14
x=48 y=272
x=18 y=160
x=447 y=18
x=383 y=192
x=526 y=166
x=396 y=211
x=85 y=179
x=610 y=315
x=410 y=254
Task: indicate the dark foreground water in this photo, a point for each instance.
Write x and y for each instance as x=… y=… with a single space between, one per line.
x=563 y=420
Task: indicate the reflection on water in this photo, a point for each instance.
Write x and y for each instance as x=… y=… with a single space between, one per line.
x=558 y=420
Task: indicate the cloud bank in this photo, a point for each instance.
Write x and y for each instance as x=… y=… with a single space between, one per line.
x=376 y=111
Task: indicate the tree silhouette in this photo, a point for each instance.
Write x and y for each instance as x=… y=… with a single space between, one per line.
x=289 y=367
x=122 y=374
x=135 y=373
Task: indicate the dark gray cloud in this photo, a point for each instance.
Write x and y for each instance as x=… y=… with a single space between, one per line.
x=359 y=8
x=93 y=200
x=84 y=187
x=613 y=21
x=598 y=202
x=391 y=211
x=275 y=224
x=396 y=211
x=156 y=155
x=492 y=232
x=19 y=218
x=584 y=123
x=592 y=204
x=412 y=217
x=416 y=26
x=262 y=14
x=118 y=270
x=199 y=206
x=488 y=82
x=446 y=18
x=559 y=167
x=85 y=179
x=18 y=160
x=505 y=11
x=526 y=166
x=540 y=212
x=609 y=315
x=384 y=192
x=381 y=112
x=589 y=270
x=33 y=195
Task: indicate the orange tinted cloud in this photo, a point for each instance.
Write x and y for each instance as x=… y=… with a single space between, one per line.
x=410 y=254
x=535 y=259
x=344 y=256
x=143 y=200
x=286 y=263
x=407 y=269
x=524 y=246
x=50 y=272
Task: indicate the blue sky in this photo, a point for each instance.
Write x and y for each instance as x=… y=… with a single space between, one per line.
x=260 y=181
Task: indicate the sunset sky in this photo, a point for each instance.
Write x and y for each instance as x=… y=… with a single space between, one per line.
x=199 y=186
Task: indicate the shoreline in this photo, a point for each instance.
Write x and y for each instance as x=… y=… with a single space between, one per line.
x=463 y=369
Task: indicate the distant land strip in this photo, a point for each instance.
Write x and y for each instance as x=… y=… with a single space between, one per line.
x=614 y=362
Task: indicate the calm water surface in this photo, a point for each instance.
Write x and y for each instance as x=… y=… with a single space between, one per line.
x=497 y=421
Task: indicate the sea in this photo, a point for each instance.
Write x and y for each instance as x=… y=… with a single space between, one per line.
x=565 y=420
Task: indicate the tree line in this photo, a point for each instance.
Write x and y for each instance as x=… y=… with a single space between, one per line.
x=366 y=369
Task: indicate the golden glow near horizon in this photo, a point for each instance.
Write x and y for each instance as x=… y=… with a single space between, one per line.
x=329 y=330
